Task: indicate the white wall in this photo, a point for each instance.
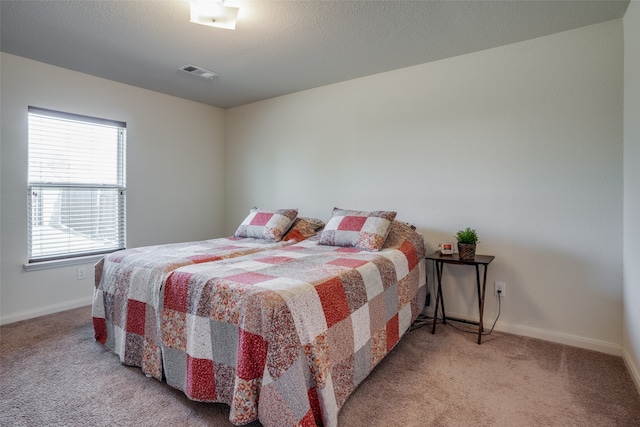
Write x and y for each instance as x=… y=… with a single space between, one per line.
x=522 y=142
x=538 y=125
x=631 y=337
x=175 y=162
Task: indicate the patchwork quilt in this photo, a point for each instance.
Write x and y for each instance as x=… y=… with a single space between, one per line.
x=127 y=293
x=286 y=335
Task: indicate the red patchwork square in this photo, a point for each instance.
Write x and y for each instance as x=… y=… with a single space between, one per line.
x=261 y=218
x=348 y=262
x=136 y=312
x=201 y=384
x=249 y=278
x=333 y=300
x=100 y=329
x=252 y=356
x=393 y=334
x=410 y=252
x=314 y=401
x=352 y=223
x=175 y=291
x=309 y=420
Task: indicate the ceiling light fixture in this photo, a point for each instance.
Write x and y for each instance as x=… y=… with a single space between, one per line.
x=214 y=14
x=198 y=71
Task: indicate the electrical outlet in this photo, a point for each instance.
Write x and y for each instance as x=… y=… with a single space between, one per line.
x=82 y=273
x=500 y=286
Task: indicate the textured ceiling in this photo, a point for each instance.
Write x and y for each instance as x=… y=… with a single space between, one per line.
x=278 y=47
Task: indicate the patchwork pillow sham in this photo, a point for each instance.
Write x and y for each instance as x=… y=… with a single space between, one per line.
x=360 y=229
x=303 y=228
x=399 y=232
x=266 y=224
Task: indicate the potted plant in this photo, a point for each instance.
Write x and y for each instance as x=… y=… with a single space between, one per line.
x=467 y=240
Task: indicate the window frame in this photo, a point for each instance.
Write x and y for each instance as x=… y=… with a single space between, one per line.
x=116 y=189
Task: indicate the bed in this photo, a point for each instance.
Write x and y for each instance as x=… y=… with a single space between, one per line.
x=285 y=334
x=128 y=282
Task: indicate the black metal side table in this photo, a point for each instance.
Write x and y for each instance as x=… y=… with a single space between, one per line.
x=439 y=261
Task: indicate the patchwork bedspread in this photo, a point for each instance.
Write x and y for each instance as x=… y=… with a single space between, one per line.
x=286 y=335
x=127 y=293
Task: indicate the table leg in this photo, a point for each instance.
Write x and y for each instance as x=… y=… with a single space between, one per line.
x=439 y=300
x=444 y=315
x=481 y=297
x=480 y=302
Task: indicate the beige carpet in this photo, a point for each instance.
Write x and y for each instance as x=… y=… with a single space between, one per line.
x=53 y=373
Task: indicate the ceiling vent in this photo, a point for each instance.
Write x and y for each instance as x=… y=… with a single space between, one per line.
x=198 y=72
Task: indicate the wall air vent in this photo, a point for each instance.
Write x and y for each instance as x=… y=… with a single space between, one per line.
x=198 y=72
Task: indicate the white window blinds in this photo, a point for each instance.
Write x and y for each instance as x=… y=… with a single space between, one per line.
x=76 y=185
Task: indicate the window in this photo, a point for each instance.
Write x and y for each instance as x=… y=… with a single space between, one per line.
x=76 y=185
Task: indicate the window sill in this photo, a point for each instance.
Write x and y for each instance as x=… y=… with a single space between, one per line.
x=44 y=265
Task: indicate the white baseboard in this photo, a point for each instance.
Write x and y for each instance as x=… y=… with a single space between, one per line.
x=557 y=337
x=633 y=369
x=561 y=338
x=41 y=311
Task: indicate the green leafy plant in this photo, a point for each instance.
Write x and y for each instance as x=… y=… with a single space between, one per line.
x=467 y=236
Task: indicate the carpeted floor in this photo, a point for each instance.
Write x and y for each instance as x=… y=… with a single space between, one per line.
x=53 y=373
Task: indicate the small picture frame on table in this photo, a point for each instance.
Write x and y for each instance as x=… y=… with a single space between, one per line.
x=446 y=248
